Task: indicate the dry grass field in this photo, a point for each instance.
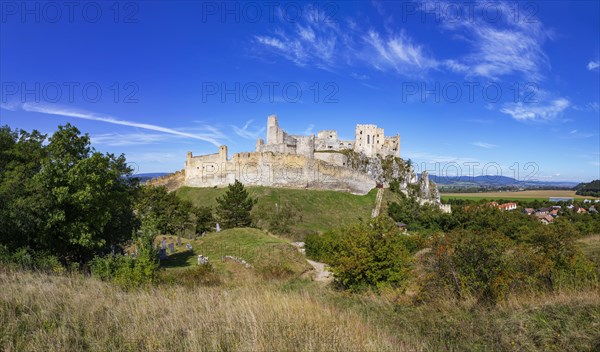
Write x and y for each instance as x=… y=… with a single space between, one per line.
x=531 y=194
x=41 y=312
x=54 y=313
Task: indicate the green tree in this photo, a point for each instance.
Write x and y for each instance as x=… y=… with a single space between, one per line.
x=234 y=207
x=64 y=198
x=203 y=219
x=172 y=214
x=277 y=218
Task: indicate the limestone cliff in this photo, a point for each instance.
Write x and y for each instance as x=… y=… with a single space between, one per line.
x=385 y=170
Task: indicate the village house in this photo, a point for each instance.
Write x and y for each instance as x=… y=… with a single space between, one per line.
x=528 y=211
x=546 y=219
x=508 y=206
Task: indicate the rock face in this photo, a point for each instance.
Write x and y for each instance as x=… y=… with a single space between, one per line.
x=320 y=162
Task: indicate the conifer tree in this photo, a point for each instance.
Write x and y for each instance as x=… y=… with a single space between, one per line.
x=234 y=207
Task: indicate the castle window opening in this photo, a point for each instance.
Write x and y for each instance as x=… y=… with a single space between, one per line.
x=368 y=139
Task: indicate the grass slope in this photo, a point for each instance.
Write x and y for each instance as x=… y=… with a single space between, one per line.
x=320 y=209
x=57 y=313
x=269 y=256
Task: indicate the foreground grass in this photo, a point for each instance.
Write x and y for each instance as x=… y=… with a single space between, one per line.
x=53 y=313
x=319 y=209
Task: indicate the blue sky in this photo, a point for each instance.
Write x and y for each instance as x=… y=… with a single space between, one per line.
x=473 y=88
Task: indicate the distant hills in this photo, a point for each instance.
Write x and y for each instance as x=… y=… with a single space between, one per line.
x=588 y=189
x=148 y=176
x=496 y=182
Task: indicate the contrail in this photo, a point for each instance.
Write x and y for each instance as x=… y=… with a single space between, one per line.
x=63 y=111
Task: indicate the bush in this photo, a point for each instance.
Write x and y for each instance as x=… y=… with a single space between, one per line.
x=489 y=266
x=277 y=219
x=24 y=258
x=365 y=255
x=129 y=272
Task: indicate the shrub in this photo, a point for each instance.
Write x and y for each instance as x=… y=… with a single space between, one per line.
x=365 y=255
x=489 y=266
x=129 y=272
x=277 y=219
x=24 y=258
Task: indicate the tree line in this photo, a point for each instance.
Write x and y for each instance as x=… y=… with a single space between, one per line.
x=63 y=203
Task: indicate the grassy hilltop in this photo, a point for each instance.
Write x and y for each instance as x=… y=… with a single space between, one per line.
x=319 y=209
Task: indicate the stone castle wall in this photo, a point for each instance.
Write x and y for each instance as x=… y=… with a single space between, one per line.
x=369 y=140
x=286 y=160
x=274 y=170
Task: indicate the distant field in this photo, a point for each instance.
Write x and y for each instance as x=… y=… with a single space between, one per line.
x=520 y=195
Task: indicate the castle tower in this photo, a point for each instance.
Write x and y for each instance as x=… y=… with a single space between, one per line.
x=273 y=134
x=223 y=152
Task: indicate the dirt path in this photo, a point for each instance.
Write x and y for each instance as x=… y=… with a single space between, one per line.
x=321 y=274
x=379 y=198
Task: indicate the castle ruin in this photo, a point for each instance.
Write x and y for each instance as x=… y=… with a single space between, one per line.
x=294 y=161
x=369 y=140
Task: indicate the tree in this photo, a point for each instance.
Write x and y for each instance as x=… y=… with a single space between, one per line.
x=171 y=213
x=64 y=198
x=234 y=207
x=277 y=218
x=89 y=197
x=203 y=219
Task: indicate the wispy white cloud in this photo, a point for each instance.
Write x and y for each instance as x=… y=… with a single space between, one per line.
x=309 y=130
x=397 y=52
x=576 y=134
x=593 y=65
x=81 y=114
x=536 y=112
x=311 y=41
x=126 y=139
x=589 y=107
x=484 y=145
x=506 y=46
x=9 y=106
x=246 y=133
x=511 y=45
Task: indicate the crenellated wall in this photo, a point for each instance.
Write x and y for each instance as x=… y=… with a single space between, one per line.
x=275 y=170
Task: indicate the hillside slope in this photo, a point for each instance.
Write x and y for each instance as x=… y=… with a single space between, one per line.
x=319 y=209
x=269 y=257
